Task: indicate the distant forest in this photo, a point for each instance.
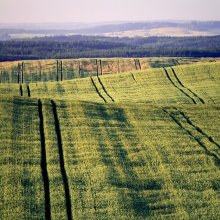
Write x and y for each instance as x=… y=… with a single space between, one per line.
x=64 y=47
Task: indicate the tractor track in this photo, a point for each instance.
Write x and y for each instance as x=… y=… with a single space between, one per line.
x=21 y=90
x=61 y=70
x=44 y=163
x=29 y=91
x=196 y=138
x=62 y=163
x=178 y=87
x=198 y=129
x=100 y=95
x=104 y=89
x=175 y=75
x=133 y=77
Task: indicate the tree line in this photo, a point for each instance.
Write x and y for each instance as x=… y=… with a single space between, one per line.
x=62 y=47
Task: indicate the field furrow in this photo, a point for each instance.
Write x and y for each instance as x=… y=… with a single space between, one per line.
x=196 y=97
x=62 y=163
x=28 y=91
x=104 y=89
x=21 y=90
x=179 y=88
x=97 y=90
x=202 y=79
x=56 y=183
x=210 y=138
x=205 y=141
x=44 y=163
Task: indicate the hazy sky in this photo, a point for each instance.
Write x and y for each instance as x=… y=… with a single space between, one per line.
x=106 y=10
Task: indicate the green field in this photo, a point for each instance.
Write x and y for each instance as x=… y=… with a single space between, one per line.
x=141 y=144
x=57 y=70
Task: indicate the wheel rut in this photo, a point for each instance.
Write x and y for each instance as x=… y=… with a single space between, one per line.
x=180 y=89
x=44 y=163
x=196 y=97
x=104 y=89
x=201 y=137
x=62 y=162
x=97 y=90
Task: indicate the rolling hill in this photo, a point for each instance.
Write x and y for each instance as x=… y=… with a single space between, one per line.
x=142 y=144
x=121 y=29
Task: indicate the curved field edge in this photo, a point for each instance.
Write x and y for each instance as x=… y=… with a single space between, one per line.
x=28 y=71
x=184 y=84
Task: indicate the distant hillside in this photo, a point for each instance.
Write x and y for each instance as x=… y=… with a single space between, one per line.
x=194 y=28
x=63 y=47
x=126 y=29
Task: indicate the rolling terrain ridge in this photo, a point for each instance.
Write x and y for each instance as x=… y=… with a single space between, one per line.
x=142 y=143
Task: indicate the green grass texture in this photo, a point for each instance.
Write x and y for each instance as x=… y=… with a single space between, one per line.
x=142 y=144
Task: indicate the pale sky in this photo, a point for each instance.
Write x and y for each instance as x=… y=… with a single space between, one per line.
x=40 y=11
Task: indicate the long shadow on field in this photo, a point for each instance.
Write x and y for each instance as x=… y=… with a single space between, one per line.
x=120 y=167
x=22 y=174
x=60 y=89
x=70 y=138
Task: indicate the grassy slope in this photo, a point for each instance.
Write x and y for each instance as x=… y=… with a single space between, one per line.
x=140 y=157
x=22 y=190
x=157 y=158
x=204 y=79
x=50 y=70
x=148 y=86
x=121 y=160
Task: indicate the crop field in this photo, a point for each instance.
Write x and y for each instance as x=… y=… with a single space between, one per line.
x=59 y=70
x=141 y=144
